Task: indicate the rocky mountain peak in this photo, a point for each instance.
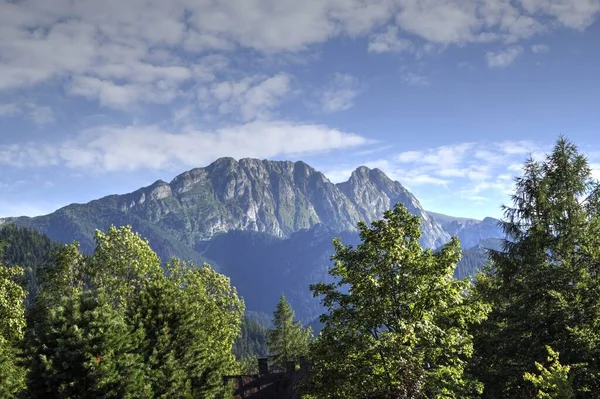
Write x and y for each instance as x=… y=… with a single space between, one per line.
x=274 y=197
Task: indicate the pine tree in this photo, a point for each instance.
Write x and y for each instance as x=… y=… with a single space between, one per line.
x=289 y=340
x=397 y=321
x=543 y=285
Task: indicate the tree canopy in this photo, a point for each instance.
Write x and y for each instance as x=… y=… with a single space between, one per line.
x=543 y=285
x=397 y=321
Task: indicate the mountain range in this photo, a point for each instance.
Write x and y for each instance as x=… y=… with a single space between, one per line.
x=268 y=225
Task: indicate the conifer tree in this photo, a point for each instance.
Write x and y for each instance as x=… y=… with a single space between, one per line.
x=544 y=285
x=84 y=349
x=288 y=340
x=116 y=324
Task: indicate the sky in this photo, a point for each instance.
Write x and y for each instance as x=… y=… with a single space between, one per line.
x=448 y=97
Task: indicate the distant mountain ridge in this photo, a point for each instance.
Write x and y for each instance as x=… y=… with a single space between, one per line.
x=273 y=197
x=470 y=232
x=268 y=225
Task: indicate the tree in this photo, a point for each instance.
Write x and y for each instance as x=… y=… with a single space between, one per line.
x=116 y=324
x=552 y=382
x=85 y=349
x=189 y=319
x=543 y=284
x=289 y=340
x=12 y=326
x=30 y=250
x=397 y=321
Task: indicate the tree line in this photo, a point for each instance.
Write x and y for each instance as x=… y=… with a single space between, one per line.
x=397 y=324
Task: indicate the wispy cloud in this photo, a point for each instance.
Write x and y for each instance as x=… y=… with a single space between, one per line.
x=340 y=93
x=414 y=79
x=540 y=48
x=117 y=148
x=252 y=97
x=40 y=115
x=503 y=58
x=390 y=41
x=474 y=170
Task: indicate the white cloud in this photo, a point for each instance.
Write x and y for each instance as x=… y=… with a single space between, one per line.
x=340 y=93
x=540 y=48
x=9 y=109
x=414 y=79
x=252 y=97
x=134 y=147
x=503 y=58
x=595 y=170
x=144 y=42
x=122 y=96
x=575 y=14
x=40 y=115
x=475 y=171
x=409 y=156
x=390 y=41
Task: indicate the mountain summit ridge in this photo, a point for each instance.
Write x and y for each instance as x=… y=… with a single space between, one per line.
x=273 y=197
x=267 y=225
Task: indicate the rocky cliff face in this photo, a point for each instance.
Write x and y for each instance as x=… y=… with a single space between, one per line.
x=470 y=232
x=372 y=193
x=267 y=225
x=272 y=197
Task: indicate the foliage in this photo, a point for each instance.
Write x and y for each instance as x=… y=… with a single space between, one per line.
x=552 y=382
x=84 y=348
x=289 y=340
x=116 y=324
x=30 y=250
x=397 y=321
x=12 y=326
x=543 y=285
x=252 y=342
x=190 y=320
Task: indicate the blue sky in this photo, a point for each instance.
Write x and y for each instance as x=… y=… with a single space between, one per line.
x=446 y=96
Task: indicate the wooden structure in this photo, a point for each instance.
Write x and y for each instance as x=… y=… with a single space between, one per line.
x=281 y=384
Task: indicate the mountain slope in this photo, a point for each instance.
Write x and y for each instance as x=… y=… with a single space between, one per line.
x=268 y=225
x=470 y=232
x=373 y=192
x=272 y=197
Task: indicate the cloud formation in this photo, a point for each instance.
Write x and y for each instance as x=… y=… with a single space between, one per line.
x=473 y=171
x=38 y=114
x=117 y=148
x=145 y=51
x=340 y=93
x=503 y=58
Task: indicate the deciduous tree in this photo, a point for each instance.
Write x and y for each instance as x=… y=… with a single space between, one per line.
x=397 y=321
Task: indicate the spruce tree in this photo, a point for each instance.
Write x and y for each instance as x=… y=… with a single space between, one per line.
x=289 y=340
x=84 y=349
x=543 y=285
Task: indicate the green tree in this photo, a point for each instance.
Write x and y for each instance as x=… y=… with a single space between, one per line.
x=289 y=340
x=552 y=382
x=86 y=350
x=398 y=321
x=190 y=320
x=543 y=285
x=117 y=323
x=32 y=251
x=12 y=327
